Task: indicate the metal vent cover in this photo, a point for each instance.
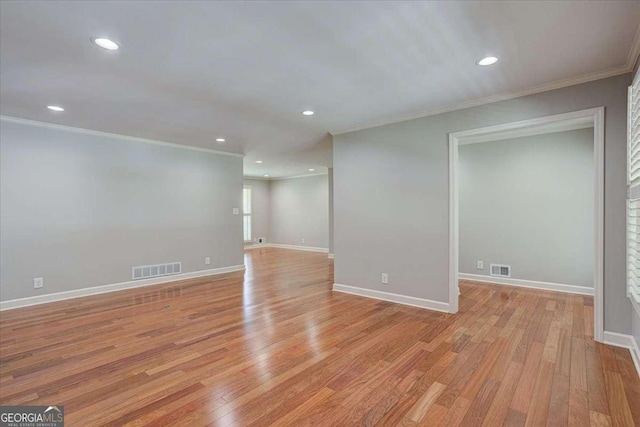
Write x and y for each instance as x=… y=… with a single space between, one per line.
x=157 y=270
x=500 y=270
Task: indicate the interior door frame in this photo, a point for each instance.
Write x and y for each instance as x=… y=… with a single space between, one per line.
x=593 y=115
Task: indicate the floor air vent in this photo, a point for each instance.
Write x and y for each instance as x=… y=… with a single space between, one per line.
x=500 y=270
x=148 y=271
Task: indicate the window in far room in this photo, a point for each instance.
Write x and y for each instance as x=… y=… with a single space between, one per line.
x=246 y=211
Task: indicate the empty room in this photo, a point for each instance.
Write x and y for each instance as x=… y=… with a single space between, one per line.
x=289 y=213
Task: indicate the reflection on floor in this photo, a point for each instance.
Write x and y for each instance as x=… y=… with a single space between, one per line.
x=275 y=346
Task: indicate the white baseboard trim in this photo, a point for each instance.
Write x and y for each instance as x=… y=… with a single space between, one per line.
x=557 y=287
x=292 y=247
x=257 y=246
x=103 y=289
x=300 y=248
x=387 y=296
x=624 y=341
x=330 y=256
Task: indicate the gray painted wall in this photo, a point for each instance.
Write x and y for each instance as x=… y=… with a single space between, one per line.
x=330 y=176
x=635 y=326
x=300 y=210
x=81 y=210
x=261 y=207
x=391 y=194
x=528 y=202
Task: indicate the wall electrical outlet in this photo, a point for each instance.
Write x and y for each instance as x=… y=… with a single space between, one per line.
x=385 y=278
x=236 y=211
x=207 y=260
x=302 y=240
x=38 y=282
x=480 y=265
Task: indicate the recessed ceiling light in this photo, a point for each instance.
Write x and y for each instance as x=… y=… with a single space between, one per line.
x=266 y=176
x=220 y=140
x=55 y=108
x=308 y=113
x=258 y=161
x=489 y=60
x=106 y=43
x=311 y=170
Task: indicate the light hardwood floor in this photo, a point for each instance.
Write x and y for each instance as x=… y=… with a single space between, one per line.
x=275 y=346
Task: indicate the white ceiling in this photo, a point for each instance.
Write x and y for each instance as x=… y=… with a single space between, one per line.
x=188 y=72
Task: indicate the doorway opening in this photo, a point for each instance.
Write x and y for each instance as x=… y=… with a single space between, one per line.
x=591 y=118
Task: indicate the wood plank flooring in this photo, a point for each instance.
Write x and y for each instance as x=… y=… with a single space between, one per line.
x=275 y=346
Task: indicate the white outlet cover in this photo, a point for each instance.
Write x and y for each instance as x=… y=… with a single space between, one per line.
x=385 y=278
x=207 y=260
x=38 y=282
x=480 y=265
x=236 y=211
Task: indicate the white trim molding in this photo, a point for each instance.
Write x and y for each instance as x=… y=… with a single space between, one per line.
x=624 y=341
x=634 y=52
x=292 y=247
x=249 y=246
x=280 y=178
x=598 y=75
x=255 y=178
x=594 y=116
x=631 y=64
x=64 y=128
x=103 y=289
x=546 y=128
x=532 y=284
x=396 y=298
x=300 y=248
x=330 y=256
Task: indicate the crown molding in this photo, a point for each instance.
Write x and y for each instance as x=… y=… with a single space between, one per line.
x=256 y=178
x=298 y=176
x=279 y=178
x=64 y=128
x=634 y=53
x=611 y=72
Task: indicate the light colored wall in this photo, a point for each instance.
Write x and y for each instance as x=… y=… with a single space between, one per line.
x=81 y=210
x=261 y=207
x=391 y=194
x=635 y=326
x=528 y=202
x=300 y=210
x=330 y=177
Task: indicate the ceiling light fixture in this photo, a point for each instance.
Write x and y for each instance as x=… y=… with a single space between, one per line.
x=489 y=60
x=259 y=161
x=106 y=43
x=311 y=170
x=220 y=140
x=308 y=113
x=56 y=108
x=266 y=176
